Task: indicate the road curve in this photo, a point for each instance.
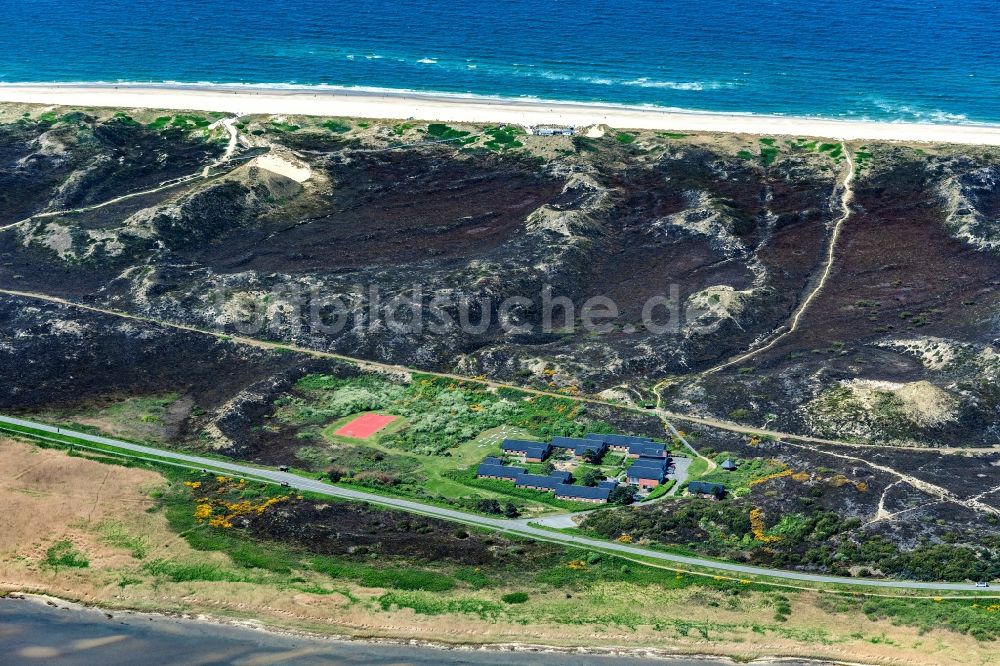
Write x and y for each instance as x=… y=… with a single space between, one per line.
x=514 y=527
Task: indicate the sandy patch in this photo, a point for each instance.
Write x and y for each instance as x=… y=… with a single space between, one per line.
x=283 y=166
x=923 y=403
x=617 y=394
x=933 y=353
x=706 y=309
x=59 y=239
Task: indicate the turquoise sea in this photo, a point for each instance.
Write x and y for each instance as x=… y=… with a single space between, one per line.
x=905 y=60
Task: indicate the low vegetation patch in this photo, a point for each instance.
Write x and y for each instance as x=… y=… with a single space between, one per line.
x=442 y=132
x=504 y=138
x=979 y=619
x=64 y=554
x=337 y=126
x=114 y=533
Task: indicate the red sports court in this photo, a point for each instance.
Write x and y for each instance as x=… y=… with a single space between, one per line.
x=364 y=426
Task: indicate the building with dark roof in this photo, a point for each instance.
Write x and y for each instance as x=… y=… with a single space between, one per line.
x=569 y=442
x=505 y=472
x=557 y=480
x=537 y=482
x=492 y=460
x=706 y=489
x=581 y=446
x=598 y=495
x=529 y=450
x=631 y=445
x=591 y=449
x=649 y=449
x=616 y=441
x=647 y=472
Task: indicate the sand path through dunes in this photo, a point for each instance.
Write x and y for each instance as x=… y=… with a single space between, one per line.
x=230 y=126
x=846 y=197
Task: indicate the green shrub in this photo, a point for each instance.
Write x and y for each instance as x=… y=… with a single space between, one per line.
x=64 y=554
x=515 y=597
x=421 y=605
x=182 y=572
x=394 y=578
x=337 y=126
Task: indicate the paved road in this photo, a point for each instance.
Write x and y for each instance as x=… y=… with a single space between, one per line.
x=515 y=527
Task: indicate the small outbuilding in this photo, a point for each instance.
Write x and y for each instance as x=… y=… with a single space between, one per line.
x=705 y=489
x=728 y=465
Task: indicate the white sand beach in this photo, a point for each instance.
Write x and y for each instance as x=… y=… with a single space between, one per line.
x=357 y=103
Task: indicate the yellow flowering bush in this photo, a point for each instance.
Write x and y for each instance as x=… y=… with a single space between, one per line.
x=758 y=527
x=228 y=510
x=770 y=477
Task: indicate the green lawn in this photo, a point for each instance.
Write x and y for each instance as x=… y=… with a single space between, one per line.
x=747 y=472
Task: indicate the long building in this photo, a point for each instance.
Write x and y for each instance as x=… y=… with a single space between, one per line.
x=541 y=482
x=598 y=495
x=499 y=471
x=706 y=489
x=529 y=450
x=557 y=481
x=581 y=446
x=630 y=445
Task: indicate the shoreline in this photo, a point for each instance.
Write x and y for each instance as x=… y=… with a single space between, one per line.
x=101 y=613
x=399 y=105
